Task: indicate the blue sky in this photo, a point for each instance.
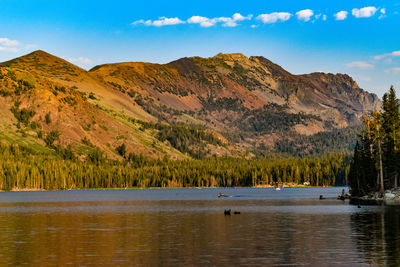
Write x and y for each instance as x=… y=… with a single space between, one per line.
x=361 y=38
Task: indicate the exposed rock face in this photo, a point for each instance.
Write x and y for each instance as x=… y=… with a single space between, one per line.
x=232 y=93
x=252 y=100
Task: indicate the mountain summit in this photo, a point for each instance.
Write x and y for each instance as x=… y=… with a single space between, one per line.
x=248 y=103
x=228 y=84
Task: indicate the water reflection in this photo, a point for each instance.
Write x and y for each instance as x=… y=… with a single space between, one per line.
x=290 y=232
x=377 y=235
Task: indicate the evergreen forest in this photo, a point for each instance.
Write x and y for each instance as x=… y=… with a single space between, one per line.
x=23 y=168
x=375 y=165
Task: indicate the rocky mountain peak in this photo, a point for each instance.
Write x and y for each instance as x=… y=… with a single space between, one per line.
x=232 y=56
x=253 y=100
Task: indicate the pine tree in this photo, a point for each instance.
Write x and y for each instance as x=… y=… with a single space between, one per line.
x=390 y=125
x=375 y=164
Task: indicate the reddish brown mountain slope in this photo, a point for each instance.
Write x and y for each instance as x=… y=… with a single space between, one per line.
x=252 y=101
x=226 y=87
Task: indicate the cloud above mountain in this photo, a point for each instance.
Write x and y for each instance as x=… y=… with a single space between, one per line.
x=8 y=45
x=360 y=65
x=304 y=15
x=225 y=21
x=341 y=15
x=274 y=17
x=162 y=21
x=364 y=12
x=387 y=56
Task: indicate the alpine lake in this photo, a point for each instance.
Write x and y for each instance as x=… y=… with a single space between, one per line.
x=188 y=227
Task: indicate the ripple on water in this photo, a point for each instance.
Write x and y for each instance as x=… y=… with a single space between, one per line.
x=291 y=227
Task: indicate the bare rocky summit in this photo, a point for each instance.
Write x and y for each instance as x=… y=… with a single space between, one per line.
x=249 y=103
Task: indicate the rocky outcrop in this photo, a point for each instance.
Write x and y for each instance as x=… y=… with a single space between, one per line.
x=390 y=196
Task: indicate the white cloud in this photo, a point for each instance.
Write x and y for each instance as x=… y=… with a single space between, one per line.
x=81 y=60
x=230 y=23
x=8 y=49
x=387 y=57
x=141 y=21
x=239 y=17
x=384 y=56
x=383 y=13
x=226 y=22
x=341 y=15
x=8 y=45
x=162 y=21
x=359 y=65
x=9 y=42
x=305 y=14
x=364 y=12
x=274 y=17
x=395 y=70
x=203 y=21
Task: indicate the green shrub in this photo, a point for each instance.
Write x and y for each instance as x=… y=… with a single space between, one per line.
x=91 y=96
x=87 y=142
x=35 y=125
x=121 y=150
x=22 y=115
x=47 y=118
x=51 y=138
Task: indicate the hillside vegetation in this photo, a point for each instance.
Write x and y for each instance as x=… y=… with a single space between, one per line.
x=249 y=104
x=228 y=106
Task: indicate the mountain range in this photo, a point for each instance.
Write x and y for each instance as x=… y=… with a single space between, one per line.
x=226 y=105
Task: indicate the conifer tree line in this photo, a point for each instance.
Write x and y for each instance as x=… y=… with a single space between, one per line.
x=375 y=165
x=21 y=168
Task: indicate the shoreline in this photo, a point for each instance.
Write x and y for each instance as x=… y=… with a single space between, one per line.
x=153 y=188
x=391 y=197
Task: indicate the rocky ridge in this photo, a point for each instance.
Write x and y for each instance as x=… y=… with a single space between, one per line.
x=249 y=102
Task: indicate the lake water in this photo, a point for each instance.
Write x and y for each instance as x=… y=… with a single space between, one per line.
x=187 y=227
